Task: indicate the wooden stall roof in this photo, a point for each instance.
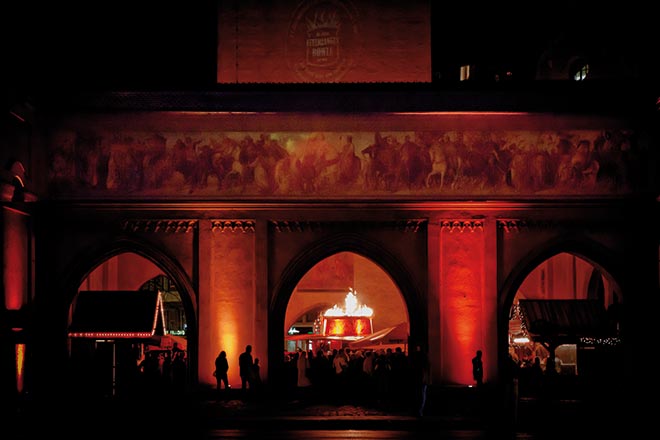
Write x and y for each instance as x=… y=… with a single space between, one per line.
x=564 y=319
x=117 y=314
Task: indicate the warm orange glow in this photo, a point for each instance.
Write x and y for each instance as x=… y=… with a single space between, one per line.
x=20 y=362
x=111 y=335
x=360 y=327
x=227 y=330
x=160 y=309
x=352 y=320
x=347 y=326
x=351 y=307
x=462 y=265
x=335 y=327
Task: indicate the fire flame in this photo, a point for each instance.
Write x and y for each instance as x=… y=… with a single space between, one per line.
x=351 y=307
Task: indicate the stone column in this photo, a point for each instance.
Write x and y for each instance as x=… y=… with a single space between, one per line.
x=464 y=314
x=228 y=319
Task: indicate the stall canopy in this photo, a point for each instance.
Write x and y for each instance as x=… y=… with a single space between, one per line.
x=117 y=314
x=397 y=334
x=564 y=321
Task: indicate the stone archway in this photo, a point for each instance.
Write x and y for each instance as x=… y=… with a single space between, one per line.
x=330 y=282
x=317 y=251
x=583 y=258
x=155 y=262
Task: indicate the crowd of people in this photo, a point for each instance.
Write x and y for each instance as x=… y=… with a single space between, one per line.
x=249 y=370
x=386 y=376
x=163 y=368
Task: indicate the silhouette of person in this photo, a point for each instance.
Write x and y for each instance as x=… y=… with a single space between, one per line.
x=256 y=374
x=149 y=369
x=614 y=315
x=478 y=369
x=302 y=363
x=246 y=368
x=176 y=349
x=536 y=376
x=179 y=370
x=511 y=374
x=421 y=369
x=221 y=368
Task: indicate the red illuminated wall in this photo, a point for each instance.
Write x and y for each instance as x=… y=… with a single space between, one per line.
x=127 y=271
x=340 y=41
x=463 y=301
x=15 y=256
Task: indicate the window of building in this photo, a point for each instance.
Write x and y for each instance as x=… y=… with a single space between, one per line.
x=580 y=72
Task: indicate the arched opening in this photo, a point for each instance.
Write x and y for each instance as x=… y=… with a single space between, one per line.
x=135 y=339
x=564 y=327
x=346 y=305
x=13 y=181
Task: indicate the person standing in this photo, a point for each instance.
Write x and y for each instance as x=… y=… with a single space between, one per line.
x=246 y=368
x=256 y=374
x=220 y=373
x=302 y=364
x=421 y=370
x=478 y=369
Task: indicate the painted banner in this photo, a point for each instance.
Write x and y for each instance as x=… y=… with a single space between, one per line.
x=324 y=41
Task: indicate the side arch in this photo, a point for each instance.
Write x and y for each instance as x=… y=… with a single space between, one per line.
x=601 y=257
x=593 y=252
x=95 y=255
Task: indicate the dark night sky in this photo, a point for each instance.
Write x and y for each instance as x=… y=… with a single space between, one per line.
x=150 y=44
x=114 y=43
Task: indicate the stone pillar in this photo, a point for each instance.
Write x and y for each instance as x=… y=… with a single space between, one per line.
x=435 y=327
x=465 y=318
x=490 y=314
x=208 y=349
x=261 y=297
x=227 y=305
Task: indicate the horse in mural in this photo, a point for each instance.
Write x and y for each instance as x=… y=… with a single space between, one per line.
x=446 y=163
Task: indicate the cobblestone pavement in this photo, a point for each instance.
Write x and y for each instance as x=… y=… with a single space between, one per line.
x=193 y=415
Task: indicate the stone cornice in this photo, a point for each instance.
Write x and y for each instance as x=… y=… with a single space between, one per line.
x=169 y=226
x=409 y=225
x=516 y=225
x=233 y=226
x=462 y=225
x=519 y=225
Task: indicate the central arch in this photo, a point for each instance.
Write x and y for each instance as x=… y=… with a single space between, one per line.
x=413 y=296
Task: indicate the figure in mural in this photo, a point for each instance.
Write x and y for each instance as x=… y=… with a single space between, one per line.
x=447 y=163
x=478 y=369
x=415 y=164
x=295 y=164
x=383 y=160
x=269 y=153
x=349 y=164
